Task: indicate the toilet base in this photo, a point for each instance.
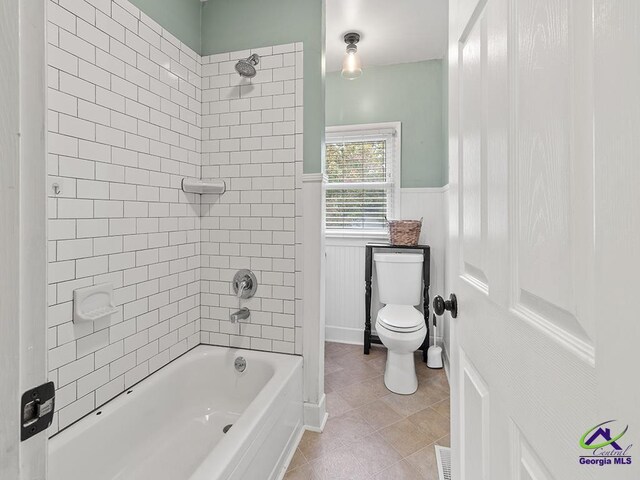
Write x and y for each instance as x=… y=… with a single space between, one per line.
x=400 y=373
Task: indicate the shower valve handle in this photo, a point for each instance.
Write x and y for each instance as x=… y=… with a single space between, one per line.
x=440 y=305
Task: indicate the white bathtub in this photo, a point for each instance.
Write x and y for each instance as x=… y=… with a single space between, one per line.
x=170 y=425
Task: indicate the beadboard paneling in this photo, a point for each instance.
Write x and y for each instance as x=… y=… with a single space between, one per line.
x=345 y=291
x=345 y=266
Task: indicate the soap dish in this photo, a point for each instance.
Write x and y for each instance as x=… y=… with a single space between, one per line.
x=93 y=303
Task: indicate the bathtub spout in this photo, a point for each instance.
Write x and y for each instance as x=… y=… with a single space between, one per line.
x=241 y=314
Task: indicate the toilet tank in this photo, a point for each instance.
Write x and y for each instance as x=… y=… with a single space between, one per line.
x=399 y=277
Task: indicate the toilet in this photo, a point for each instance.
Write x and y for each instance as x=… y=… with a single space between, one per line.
x=400 y=326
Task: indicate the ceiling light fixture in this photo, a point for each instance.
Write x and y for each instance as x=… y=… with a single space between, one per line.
x=351 y=67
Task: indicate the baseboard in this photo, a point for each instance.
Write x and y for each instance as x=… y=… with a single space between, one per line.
x=290 y=450
x=353 y=336
x=315 y=415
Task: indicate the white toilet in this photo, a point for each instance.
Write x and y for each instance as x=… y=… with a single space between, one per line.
x=399 y=325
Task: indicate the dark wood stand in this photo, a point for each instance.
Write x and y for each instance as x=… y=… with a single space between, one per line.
x=370 y=338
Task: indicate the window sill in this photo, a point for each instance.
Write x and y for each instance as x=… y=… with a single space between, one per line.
x=372 y=235
x=355 y=238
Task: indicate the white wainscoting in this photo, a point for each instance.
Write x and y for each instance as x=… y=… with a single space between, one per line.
x=345 y=266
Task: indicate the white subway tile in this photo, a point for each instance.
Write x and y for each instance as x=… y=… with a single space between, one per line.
x=77 y=87
x=110 y=353
x=109 y=136
x=75 y=410
x=109 y=390
x=93 y=381
x=90 y=228
x=76 y=127
x=105 y=23
x=74 y=370
x=91 y=266
x=77 y=46
x=92 y=189
x=108 y=208
x=80 y=8
x=72 y=249
x=61 y=17
x=72 y=208
x=62 y=355
x=121 y=261
x=91 y=34
x=150 y=140
x=92 y=343
x=123 y=364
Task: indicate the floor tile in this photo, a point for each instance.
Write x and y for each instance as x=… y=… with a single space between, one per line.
x=424 y=461
x=443 y=407
x=361 y=370
x=341 y=378
x=374 y=454
x=444 y=441
x=431 y=421
x=373 y=433
x=400 y=471
x=331 y=366
x=378 y=414
x=407 y=405
x=298 y=460
x=314 y=445
x=338 y=465
x=366 y=391
x=406 y=437
x=348 y=427
x=304 y=472
x=336 y=405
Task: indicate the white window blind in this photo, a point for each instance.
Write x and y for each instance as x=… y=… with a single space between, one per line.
x=360 y=188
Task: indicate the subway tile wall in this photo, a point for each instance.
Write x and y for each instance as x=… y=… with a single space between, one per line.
x=124 y=129
x=131 y=112
x=252 y=138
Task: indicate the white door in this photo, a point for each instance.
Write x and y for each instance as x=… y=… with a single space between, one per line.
x=23 y=260
x=544 y=107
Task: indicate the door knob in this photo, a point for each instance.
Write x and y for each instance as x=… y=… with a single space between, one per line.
x=440 y=305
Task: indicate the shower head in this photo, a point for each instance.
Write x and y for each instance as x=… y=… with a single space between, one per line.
x=247 y=67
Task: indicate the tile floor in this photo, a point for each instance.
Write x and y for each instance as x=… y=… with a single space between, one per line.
x=373 y=433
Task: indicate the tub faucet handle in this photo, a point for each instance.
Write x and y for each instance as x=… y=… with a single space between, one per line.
x=244 y=284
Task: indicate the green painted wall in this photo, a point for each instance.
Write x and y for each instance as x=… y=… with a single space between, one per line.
x=411 y=93
x=231 y=25
x=180 y=17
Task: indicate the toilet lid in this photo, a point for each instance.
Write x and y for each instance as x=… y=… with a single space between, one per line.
x=400 y=318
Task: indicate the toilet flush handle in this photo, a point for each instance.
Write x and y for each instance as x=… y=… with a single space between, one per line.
x=440 y=305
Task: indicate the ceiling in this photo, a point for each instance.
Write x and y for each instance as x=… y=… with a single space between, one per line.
x=392 y=31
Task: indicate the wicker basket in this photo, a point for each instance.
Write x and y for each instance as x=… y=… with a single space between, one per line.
x=404 y=232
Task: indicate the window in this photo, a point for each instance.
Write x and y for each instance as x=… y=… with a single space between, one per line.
x=361 y=164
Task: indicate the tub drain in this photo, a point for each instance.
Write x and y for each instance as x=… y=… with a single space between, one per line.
x=227 y=428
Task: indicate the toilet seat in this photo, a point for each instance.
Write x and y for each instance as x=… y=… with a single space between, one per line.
x=400 y=318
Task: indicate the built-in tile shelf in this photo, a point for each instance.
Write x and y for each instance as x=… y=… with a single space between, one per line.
x=194 y=185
